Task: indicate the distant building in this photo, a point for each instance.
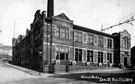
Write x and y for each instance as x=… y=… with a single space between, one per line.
x=133 y=56
x=54 y=43
x=5 y=53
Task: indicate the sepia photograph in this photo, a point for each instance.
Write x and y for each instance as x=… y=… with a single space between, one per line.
x=67 y=41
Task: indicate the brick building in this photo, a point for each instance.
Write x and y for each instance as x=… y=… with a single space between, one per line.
x=55 y=43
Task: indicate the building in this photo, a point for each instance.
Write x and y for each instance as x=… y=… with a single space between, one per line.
x=122 y=46
x=5 y=53
x=133 y=56
x=55 y=43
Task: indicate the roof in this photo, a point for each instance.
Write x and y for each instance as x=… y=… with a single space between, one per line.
x=126 y=32
x=63 y=16
x=77 y=27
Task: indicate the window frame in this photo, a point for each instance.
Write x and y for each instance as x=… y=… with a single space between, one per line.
x=62 y=50
x=78 y=56
x=90 y=55
x=100 y=56
x=100 y=41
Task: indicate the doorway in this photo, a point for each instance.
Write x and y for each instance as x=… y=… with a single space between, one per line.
x=125 y=61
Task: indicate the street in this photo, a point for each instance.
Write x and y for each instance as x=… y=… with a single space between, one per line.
x=11 y=75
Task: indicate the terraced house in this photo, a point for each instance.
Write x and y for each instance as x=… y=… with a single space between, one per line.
x=56 y=44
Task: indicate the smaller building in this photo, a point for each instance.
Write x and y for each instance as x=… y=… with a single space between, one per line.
x=5 y=53
x=122 y=45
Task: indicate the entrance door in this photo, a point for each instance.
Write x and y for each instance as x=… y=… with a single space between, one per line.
x=125 y=61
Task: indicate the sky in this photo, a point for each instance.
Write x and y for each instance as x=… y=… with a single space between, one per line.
x=19 y=14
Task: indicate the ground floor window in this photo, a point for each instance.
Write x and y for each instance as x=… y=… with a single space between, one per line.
x=89 y=56
x=61 y=52
x=109 y=57
x=100 y=57
x=78 y=54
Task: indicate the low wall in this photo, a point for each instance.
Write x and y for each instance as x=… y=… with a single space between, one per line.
x=58 y=68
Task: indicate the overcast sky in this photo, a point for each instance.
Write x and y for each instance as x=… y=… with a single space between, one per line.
x=87 y=13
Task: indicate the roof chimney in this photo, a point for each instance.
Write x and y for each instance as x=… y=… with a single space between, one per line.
x=50 y=8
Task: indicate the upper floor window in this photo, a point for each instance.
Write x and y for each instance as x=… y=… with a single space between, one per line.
x=61 y=32
x=78 y=36
x=85 y=38
x=126 y=42
x=96 y=40
x=90 y=39
x=57 y=31
x=109 y=43
x=70 y=34
x=67 y=33
x=100 y=41
x=105 y=42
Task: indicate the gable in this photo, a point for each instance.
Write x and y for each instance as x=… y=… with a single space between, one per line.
x=125 y=32
x=63 y=16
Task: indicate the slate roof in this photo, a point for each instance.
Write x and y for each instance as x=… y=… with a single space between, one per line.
x=77 y=27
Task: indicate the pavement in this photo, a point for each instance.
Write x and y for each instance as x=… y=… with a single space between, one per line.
x=11 y=74
x=96 y=70
x=29 y=71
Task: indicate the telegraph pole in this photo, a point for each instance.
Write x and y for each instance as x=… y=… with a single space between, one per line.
x=14 y=29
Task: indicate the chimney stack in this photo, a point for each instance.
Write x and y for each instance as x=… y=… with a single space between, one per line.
x=50 y=8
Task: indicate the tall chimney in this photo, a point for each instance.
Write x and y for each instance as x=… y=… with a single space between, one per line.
x=50 y=8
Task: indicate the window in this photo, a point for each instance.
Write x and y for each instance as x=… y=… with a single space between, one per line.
x=90 y=39
x=100 y=41
x=62 y=33
x=57 y=31
x=100 y=57
x=84 y=38
x=109 y=57
x=105 y=42
x=67 y=33
x=96 y=40
x=125 y=44
x=78 y=36
x=61 y=52
x=57 y=55
x=71 y=34
x=89 y=56
x=109 y=43
x=78 y=54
